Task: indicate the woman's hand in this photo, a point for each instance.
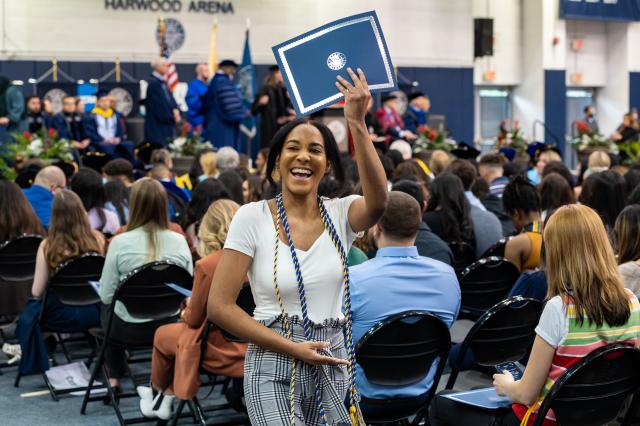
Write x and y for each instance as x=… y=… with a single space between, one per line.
x=503 y=382
x=356 y=95
x=309 y=353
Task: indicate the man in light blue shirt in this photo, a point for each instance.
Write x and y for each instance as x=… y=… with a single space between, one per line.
x=399 y=280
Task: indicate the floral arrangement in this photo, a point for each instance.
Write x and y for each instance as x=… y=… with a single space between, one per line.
x=189 y=142
x=588 y=139
x=512 y=136
x=430 y=139
x=44 y=144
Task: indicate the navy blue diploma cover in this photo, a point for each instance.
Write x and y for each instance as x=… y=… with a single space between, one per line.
x=311 y=62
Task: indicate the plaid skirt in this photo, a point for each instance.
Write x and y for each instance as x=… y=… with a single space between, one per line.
x=267 y=376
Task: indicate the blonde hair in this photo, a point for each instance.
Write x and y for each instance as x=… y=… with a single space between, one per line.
x=215 y=225
x=209 y=164
x=580 y=264
x=439 y=161
x=599 y=159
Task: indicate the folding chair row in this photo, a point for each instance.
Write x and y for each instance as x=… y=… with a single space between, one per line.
x=145 y=295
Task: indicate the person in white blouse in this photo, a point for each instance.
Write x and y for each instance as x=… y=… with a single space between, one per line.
x=293 y=248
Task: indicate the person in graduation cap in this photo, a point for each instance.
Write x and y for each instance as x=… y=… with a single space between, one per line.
x=162 y=113
x=223 y=108
x=70 y=125
x=416 y=115
x=390 y=120
x=105 y=128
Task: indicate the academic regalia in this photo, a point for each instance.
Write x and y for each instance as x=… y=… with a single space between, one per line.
x=279 y=105
x=223 y=112
x=195 y=98
x=35 y=122
x=159 y=123
x=414 y=118
x=11 y=106
x=69 y=126
x=91 y=126
x=390 y=122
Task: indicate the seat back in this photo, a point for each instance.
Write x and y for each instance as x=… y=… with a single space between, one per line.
x=593 y=391
x=247 y=304
x=145 y=294
x=505 y=332
x=497 y=249
x=485 y=283
x=18 y=258
x=399 y=350
x=70 y=281
x=463 y=255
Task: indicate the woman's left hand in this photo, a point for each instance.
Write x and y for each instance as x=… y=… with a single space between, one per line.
x=356 y=95
x=502 y=382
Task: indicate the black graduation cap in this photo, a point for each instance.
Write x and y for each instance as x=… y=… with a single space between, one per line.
x=68 y=167
x=274 y=68
x=388 y=96
x=96 y=160
x=227 y=63
x=101 y=94
x=27 y=175
x=143 y=151
x=412 y=96
x=508 y=152
x=465 y=151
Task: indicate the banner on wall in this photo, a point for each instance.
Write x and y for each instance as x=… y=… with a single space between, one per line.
x=601 y=10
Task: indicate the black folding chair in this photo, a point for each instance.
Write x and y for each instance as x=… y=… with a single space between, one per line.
x=246 y=302
x=504 y=333
x=144 y=294
x=497 y=249
x=399 y=351
x=17 y=266
x=70 y=283
x=463 y=255
x=593 y=391
x=485 y=283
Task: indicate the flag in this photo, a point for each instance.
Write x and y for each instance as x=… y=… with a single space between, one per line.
x=246 y=77
x=172 y=74
x=213 y=48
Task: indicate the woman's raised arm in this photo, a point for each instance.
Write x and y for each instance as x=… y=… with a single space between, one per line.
x=364 y=212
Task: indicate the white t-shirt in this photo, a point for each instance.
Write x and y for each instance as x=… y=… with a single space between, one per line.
x=253 y=231
x=554 y=325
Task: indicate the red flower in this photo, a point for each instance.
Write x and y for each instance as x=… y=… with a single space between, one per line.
x=432 y=134
x=198 y=129
x=583 y=128
x=26 y=135
x=422 y=128
x=186 y=127
x=51 y=133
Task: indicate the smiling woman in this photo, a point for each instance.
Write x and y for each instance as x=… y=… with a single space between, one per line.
x=299 y=364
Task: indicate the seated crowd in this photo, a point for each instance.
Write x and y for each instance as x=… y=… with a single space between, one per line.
x=588 y=272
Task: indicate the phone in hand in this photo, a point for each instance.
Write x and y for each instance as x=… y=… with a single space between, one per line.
x=515 y=368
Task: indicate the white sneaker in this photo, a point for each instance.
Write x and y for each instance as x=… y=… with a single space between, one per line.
x=146 y=401
x=12 y=350
x=166 y=407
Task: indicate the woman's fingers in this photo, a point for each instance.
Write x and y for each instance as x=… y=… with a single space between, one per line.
x=329 y=360
x=363 y=79
x=345 y=83
x=342 y=89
